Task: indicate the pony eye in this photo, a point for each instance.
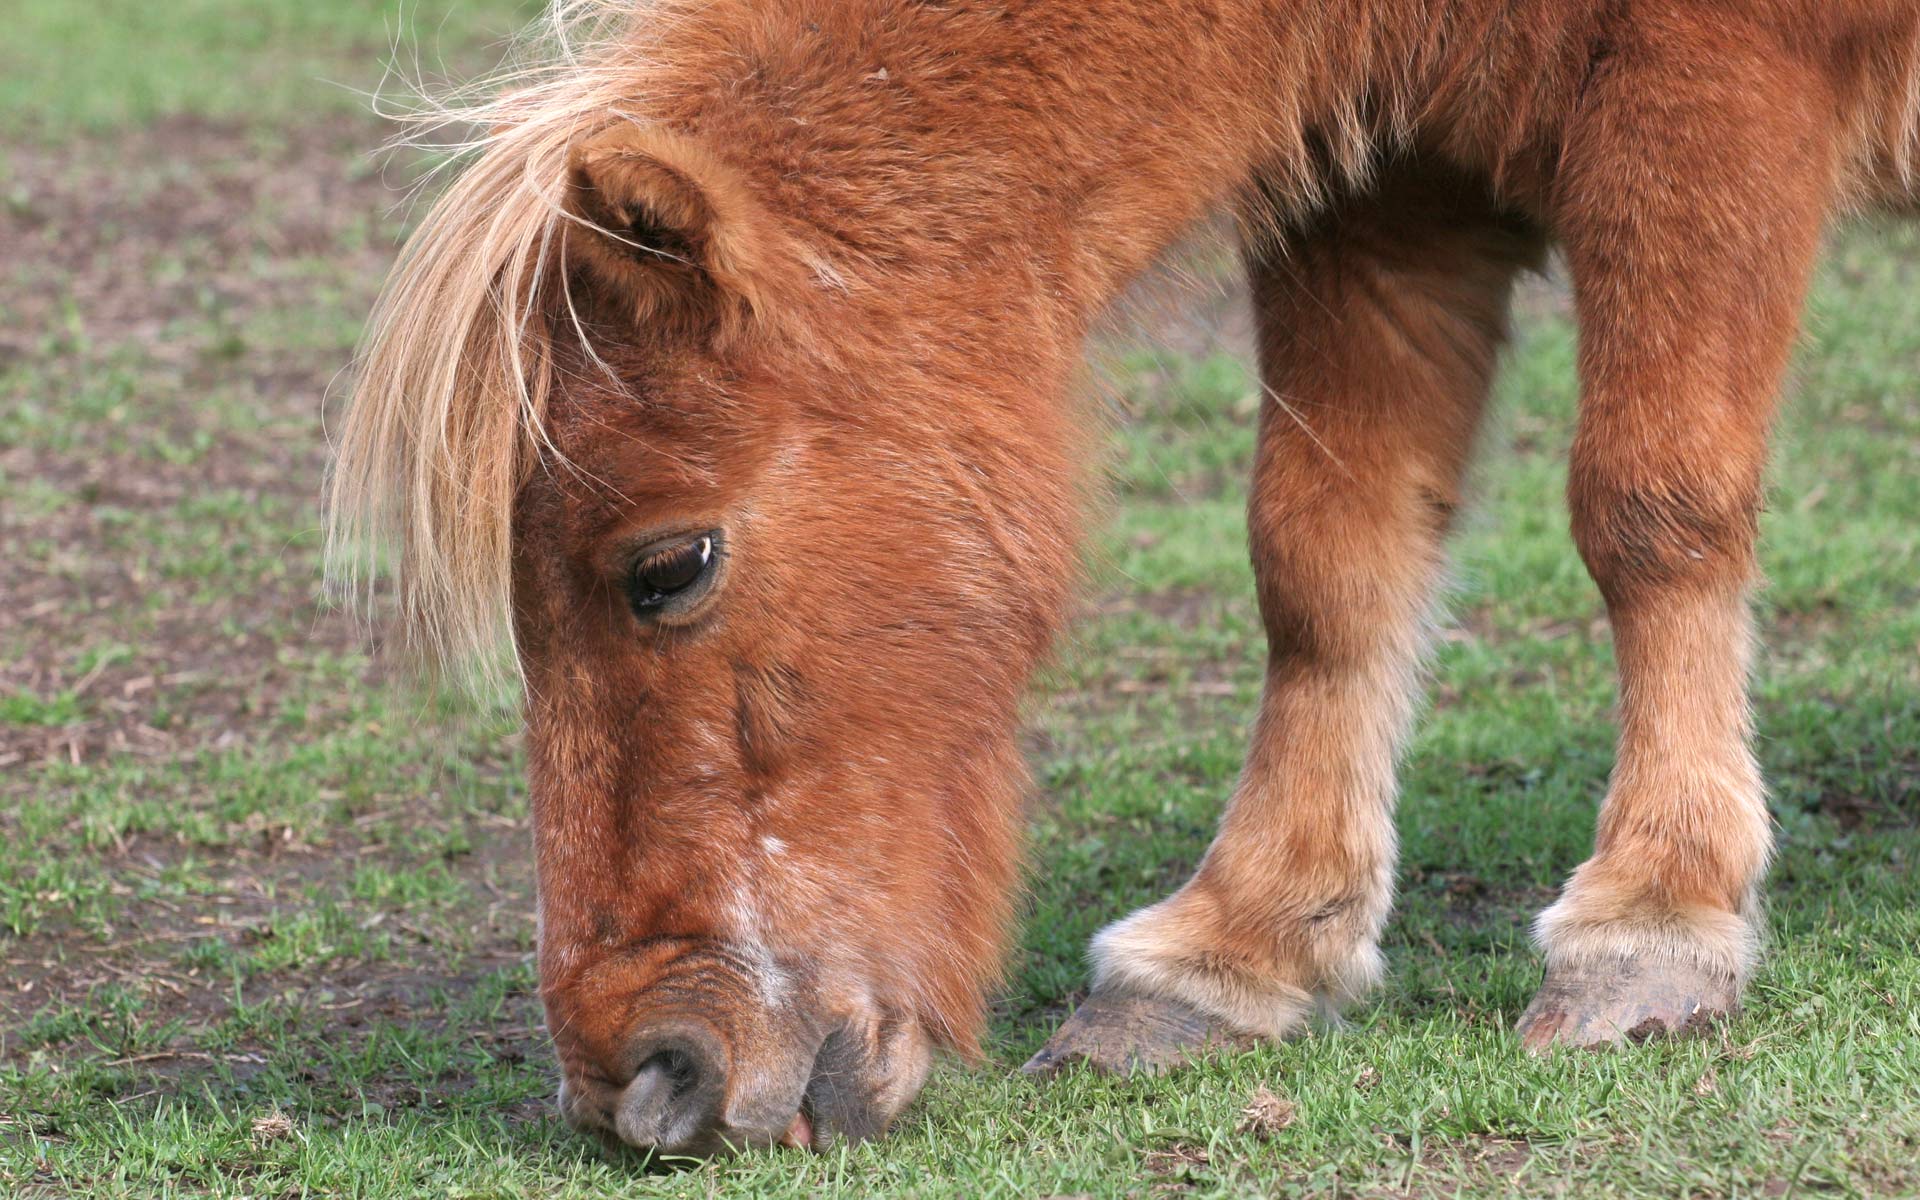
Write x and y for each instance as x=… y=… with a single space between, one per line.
x=670 y=572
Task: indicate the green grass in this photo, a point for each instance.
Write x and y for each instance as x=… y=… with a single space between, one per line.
x=109 y=64
x=266 y=924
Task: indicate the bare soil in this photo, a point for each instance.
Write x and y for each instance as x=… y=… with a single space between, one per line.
x=159 y=257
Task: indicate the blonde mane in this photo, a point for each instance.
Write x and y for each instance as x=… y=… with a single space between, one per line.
x=453 y=372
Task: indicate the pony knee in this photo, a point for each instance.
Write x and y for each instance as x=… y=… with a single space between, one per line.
x=1658 y=534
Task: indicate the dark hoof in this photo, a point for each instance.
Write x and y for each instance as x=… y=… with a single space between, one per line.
x=1626 y=1001
x=1118 y=1032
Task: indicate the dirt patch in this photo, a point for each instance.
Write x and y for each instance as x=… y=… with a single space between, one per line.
x=160 y=560
x=95 y=217
x=1888 y=798
x=1207 y=688
x=277 y=921
x=171 y=547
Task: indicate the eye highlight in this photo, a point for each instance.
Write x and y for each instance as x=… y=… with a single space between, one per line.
x=668 y=576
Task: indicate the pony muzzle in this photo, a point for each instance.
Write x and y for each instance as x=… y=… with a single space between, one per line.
x=702 y=1068
x=683 y=1096
x=684 y=1087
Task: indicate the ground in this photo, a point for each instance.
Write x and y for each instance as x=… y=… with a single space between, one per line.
x=265 y=920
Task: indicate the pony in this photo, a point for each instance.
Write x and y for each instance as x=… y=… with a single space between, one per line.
x=723 y=402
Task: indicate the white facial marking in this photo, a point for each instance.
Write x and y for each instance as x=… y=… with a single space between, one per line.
x=771 y=982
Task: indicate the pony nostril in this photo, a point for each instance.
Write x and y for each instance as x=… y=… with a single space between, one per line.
x=675 y=1069
x=673 y=1101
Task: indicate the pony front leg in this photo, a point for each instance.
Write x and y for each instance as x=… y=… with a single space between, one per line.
x=1379 y=329
x=1694 y=213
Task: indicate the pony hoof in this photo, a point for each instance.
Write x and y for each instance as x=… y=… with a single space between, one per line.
x=1119 y=1032
x=1626 y=1001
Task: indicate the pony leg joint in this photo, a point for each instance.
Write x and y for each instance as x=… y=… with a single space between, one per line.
x=1691 y=223
x=1380 y=321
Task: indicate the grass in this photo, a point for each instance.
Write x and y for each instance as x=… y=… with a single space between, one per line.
x=112 y=64
x=266 y=922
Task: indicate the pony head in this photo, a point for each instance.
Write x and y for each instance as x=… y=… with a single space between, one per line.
x=760 y=482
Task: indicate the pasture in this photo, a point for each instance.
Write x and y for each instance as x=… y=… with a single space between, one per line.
x=266 y=922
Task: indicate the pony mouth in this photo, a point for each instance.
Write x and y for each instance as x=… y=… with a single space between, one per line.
x=593 y=1107
x=799 y=1134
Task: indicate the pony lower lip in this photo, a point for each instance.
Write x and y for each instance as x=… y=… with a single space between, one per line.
x=799 y=1135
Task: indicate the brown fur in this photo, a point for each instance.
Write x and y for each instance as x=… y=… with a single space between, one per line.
x=816 y=275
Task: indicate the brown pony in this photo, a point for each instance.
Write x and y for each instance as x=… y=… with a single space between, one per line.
x=730 y=385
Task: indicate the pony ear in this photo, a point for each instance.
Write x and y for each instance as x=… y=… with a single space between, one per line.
x=668 y=222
